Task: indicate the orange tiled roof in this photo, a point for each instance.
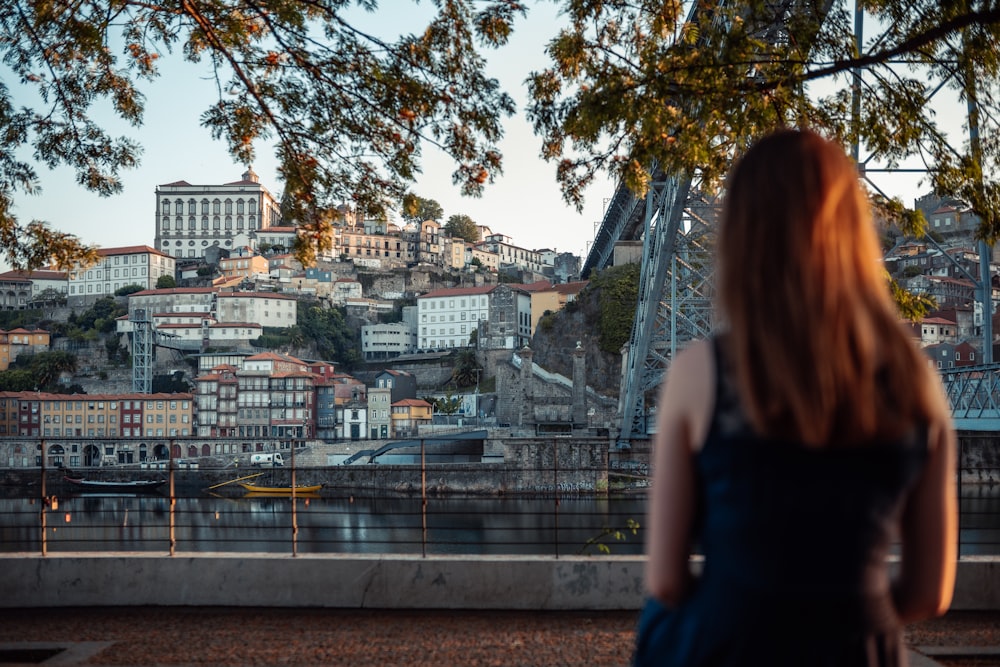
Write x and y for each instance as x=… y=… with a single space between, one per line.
x=458 y=291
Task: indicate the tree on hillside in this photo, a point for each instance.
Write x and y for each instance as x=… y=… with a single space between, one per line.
x=467 y=369
x=461 y=226
x=298 y=74
x=333 y=337
x=417 y=209
x=125 y=290
x=166 y=282
x=43 y=367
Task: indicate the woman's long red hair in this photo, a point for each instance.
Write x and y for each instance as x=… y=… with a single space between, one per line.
x=816 y=343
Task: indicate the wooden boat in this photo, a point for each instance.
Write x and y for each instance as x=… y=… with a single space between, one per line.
x=299 y=495
x=281 y=490
x=98 y=485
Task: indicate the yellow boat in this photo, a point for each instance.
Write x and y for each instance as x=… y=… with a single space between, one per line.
x=281 y=490
x=299 y=495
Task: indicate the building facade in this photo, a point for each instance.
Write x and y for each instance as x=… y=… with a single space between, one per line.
x=117 y=268
x=447 y=317
x=190 y=219
x=387 y=341
x=265 y=308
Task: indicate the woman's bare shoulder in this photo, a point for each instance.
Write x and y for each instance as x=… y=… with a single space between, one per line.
x=690 y=389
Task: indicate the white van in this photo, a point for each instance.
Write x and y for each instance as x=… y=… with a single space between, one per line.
x=267 y=460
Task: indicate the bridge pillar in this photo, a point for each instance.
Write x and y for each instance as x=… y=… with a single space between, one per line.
x=579 y=416
x=526 y=414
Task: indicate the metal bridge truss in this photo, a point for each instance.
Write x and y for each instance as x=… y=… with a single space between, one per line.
x=974 y=395
x=142 y=352
x=675 y=289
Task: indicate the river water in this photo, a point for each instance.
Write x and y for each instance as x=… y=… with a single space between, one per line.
x=486 y=525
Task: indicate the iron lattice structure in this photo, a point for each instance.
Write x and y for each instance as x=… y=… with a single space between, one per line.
x=974 y=395
x=142 y=352
x=674 y=305
x=676 y=226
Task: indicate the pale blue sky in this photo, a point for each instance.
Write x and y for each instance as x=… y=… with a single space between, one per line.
x=525 y=203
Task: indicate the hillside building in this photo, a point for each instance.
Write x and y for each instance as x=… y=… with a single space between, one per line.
x=447 y=317
x=117 y=268
x=190 y=219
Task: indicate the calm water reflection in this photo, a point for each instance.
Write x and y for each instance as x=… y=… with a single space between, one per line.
x=346 y=524
x=470 y=525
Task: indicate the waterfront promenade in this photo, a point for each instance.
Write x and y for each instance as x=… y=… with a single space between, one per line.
x=231 y=637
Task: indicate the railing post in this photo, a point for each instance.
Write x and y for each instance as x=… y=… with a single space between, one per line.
x=423 y=499
x=295 y=525
x=171 y=522
x=45 y=503
x=555 y=473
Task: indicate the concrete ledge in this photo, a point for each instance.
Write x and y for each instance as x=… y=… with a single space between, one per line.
x=356 y=581
x=364 y=581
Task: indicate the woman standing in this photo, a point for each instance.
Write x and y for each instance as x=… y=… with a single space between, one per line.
x=798 y=443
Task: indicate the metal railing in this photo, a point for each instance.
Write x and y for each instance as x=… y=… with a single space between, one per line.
x=417 y=507
x=414 y=502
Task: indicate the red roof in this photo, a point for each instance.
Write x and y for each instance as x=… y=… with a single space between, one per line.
x=216 y=325
x=412 y=402
x=46 y=396
x=130 y=250
x=274 y=356
x=174 y=290
x=39 y=274
x=570 y=288
x=458 y=291
x=257 y=295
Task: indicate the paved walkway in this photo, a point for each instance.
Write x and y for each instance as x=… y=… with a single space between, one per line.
x=173 y=636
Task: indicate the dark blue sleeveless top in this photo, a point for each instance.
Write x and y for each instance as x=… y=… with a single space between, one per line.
x=795 y=541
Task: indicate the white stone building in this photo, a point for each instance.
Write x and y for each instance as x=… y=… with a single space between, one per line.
x=512 y=255
x=266 y=308
x=447 y=317
x=192 y=218
x=345 y=289
x=21 y=287
x=175 y=299
x=116 y=268
x=386 y=341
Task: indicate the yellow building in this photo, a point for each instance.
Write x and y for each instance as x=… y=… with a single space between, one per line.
x=408 y=414
x=243 y=267
x=21 y=341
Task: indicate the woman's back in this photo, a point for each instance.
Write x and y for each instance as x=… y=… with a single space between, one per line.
x=821 y=436
x=800 y=528
x=795 y=541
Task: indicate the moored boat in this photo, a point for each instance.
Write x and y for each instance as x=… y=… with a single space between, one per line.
x=100 y=485
x=281 y=490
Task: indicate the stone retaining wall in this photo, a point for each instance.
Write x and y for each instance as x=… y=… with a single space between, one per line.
x=364 y=581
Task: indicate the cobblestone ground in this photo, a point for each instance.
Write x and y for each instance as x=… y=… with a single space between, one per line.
x=235 y=636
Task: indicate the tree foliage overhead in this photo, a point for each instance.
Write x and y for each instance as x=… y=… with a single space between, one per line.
x=637 y=87
x=347 y=110
x=461 y=226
